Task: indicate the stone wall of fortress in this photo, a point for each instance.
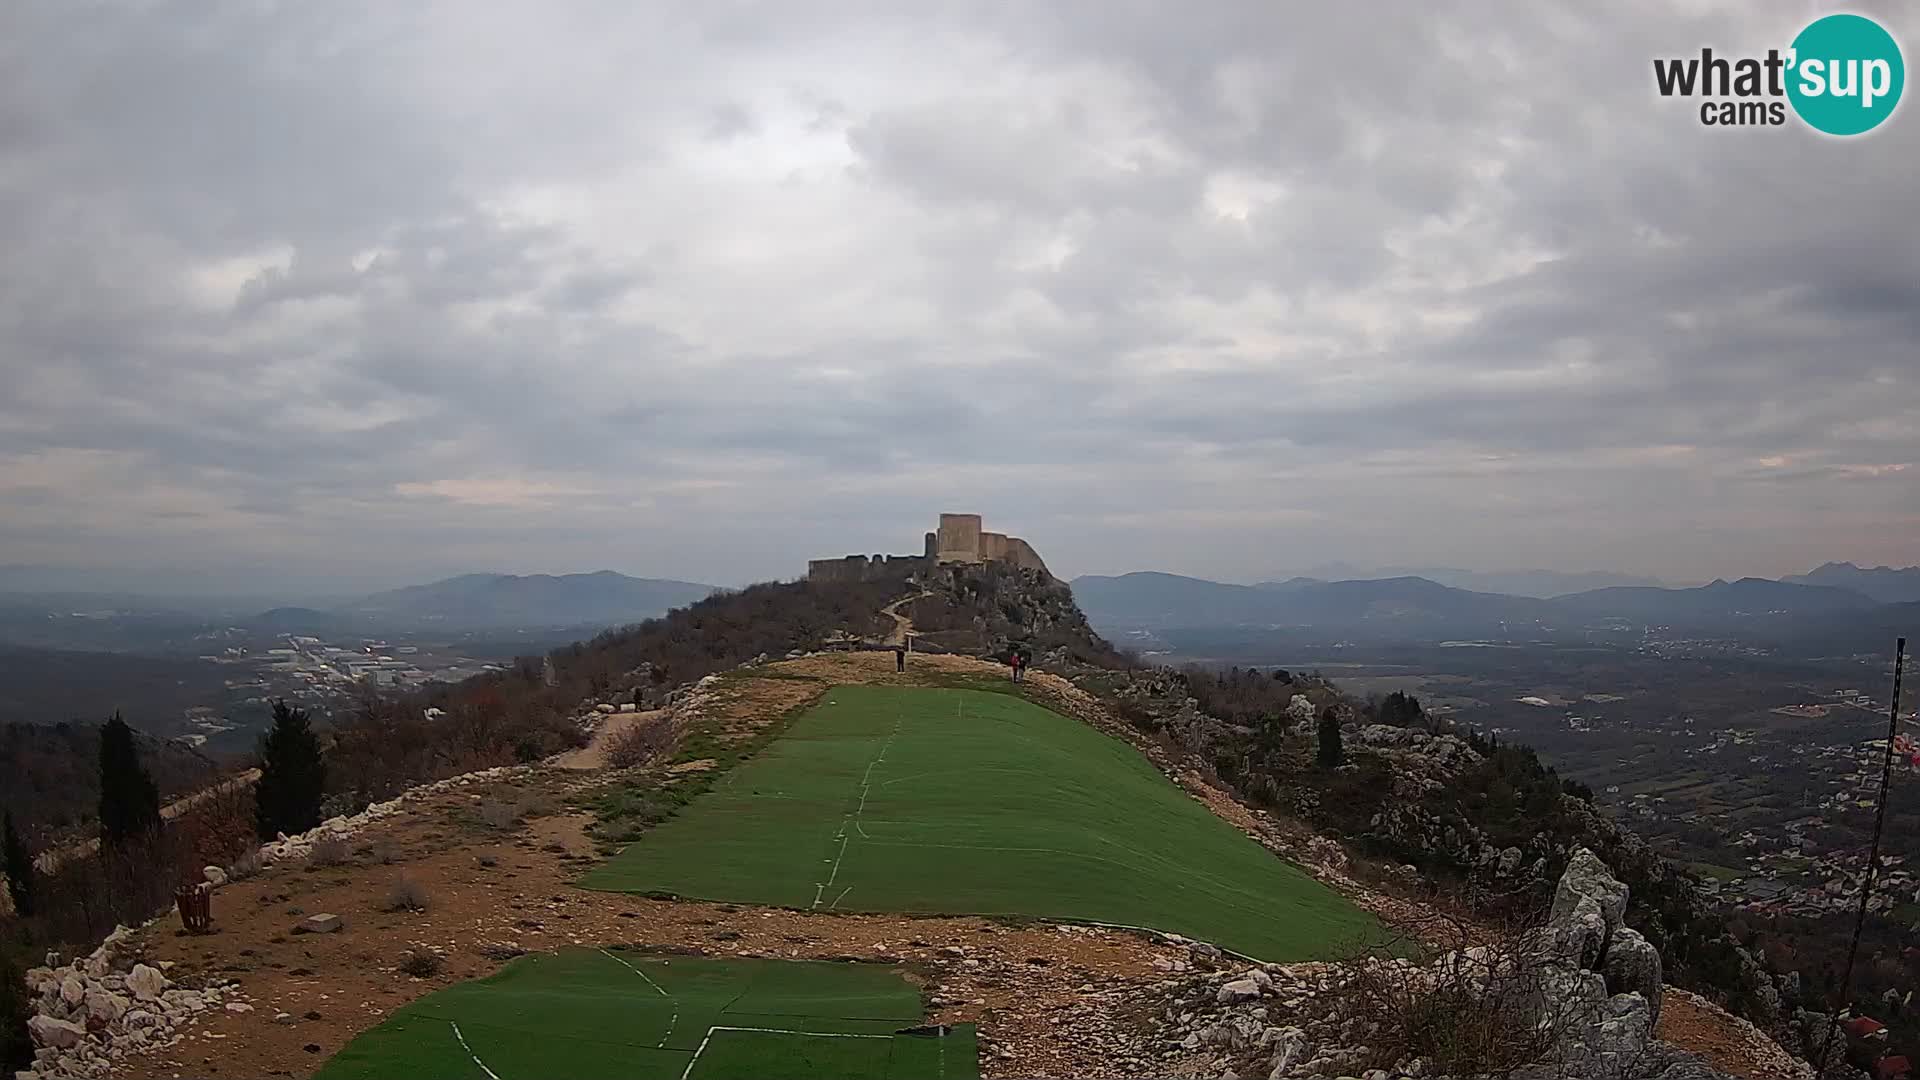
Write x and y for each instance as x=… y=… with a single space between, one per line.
x=959 y=539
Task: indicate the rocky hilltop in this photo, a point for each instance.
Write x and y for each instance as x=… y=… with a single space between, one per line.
x=1535 y=938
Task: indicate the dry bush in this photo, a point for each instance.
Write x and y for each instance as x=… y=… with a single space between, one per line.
x=642 y=743
x=328 y=851
x=219 y=827
x=406 y=894
x=1485 y=1010
x=80 y=901
x=499 y=815
x=421 y=963
x=245 y=866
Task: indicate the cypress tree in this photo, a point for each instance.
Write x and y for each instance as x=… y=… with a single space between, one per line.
x=19 y=868
x=293 y=775
x=1331 y=752
x=129 y=801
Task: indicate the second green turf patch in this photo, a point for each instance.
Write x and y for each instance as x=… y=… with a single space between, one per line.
x=602 y=1013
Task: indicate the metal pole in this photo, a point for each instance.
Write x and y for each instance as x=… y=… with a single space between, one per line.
x=1873 y=856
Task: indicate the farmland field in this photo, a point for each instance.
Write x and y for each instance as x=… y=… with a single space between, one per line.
x=598 y=1013
x=973 y=802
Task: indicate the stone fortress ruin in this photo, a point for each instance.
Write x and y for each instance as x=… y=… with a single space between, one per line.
x=959 y=539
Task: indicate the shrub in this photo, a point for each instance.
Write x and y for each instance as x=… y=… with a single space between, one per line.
x=1330 y=754
x=16 y=1005
x=421 y=963
x=496 y=814
x=244 y=867
x=642 y=743
x=406 y=894
x=19 y=870
x=1482 y=1011
x=328 y=850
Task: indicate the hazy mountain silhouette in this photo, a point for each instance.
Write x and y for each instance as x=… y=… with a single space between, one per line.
x=1883 y=583
x=503 y=600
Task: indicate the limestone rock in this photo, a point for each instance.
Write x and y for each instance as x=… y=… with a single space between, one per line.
x=1587 y=878
x=323 y=923
x=58 y=1034
x=105 y=1007
x=1289 y=1050
x=1632 y=966
x=73 y=991
x=215 y=876
x=145 y=982
x=1238 y=990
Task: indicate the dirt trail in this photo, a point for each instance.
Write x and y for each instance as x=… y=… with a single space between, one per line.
x=902 y=626
x=594 y=754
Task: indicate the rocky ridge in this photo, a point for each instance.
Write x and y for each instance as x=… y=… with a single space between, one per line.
x=95 y=1011
x=1584 y=985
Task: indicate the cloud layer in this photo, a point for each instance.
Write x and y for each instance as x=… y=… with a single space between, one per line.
x=365 y=292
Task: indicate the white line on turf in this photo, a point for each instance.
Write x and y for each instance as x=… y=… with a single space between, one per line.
x=866 y=784
x=476 y=1057
x=672 y=1020
x=837 y=899
x=688 y=1071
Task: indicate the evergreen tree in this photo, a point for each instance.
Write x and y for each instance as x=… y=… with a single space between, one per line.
x=293 y=775
x=129 y=801
x=1331 y=752
x=19 y=869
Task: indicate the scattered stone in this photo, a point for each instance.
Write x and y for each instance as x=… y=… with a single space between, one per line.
x=215 y=876
x=1237 y=991
x=323 y=923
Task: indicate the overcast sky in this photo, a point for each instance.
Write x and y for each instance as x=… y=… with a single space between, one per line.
x=362 y=293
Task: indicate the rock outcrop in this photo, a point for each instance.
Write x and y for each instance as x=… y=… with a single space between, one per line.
x=1580 y=996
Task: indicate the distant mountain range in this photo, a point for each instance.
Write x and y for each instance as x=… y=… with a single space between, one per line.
x=512 y=600
x=1416 y=608
x=1540 y=584
x=1882 y=583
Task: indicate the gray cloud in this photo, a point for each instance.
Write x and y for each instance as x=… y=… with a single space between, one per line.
x=701 y=291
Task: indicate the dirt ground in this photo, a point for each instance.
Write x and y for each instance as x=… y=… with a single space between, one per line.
x=1012 y=980
x=1048 y=1000
x=1728 y=1043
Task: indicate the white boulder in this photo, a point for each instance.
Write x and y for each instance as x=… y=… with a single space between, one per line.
x=145 y=982
x=58 y=1034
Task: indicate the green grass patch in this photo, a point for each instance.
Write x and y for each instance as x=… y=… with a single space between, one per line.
x=626 y=811
x=970 y=802
x=589 y=1013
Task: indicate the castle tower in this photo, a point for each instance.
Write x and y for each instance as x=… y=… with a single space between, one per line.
x=959 y=538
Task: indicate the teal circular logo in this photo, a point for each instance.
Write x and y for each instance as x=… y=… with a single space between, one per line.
x=1846 y=74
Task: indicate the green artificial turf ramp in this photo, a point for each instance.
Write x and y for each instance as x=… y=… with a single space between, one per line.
x=973 y=802
x=629 y=1015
